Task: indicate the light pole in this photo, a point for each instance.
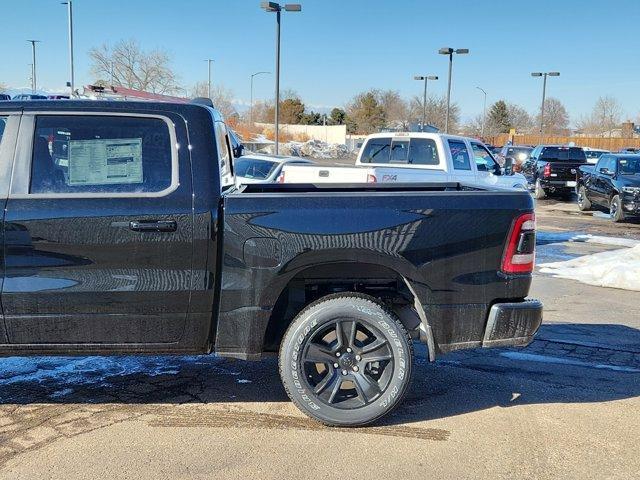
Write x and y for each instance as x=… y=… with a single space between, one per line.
x=277 y=8
x=544 y=92
x=251 y=101
x=484 y=111
x=34 y=84
x=69 y=5
x=208 y=60
x=450 y=52
x=424 y=97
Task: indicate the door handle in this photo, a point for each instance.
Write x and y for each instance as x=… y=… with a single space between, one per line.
x=153 y=226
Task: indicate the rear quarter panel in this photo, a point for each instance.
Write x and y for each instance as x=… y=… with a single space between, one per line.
x=448 y=246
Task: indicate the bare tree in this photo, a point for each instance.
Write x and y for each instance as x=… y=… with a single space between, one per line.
x=605 y=116
x=396 y=110
x=127 y=65
x=221 y=97
x=519 y=118
x=556 y=118
x=436 y=112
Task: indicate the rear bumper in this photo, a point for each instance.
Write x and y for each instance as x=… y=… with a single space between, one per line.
x=512 y=324
x=566 y=184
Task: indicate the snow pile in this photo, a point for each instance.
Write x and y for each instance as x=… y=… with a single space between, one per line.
x=617 y=241
x=615 y=269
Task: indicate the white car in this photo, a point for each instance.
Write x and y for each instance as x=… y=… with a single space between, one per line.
x=258 y=168
x=593 y=154
x=406 y=157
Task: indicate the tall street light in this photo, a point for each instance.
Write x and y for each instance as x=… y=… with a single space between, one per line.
x=484 y=111
x=34 y=84
x=450 y=52
x=71 y=83
x=544 y=92
x=424 y=97
x=251 y=101
x=208 y=60
x=272 y=7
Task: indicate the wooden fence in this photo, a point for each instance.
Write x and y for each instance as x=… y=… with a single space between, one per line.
x=613 y=144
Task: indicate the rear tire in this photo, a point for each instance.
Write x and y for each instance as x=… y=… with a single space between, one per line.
x=371 y=348
x=584 y=204
x=615 y=209
x=539 y=192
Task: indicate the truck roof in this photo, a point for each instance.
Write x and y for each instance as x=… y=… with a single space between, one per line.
x=113 y=105
x=431 y=135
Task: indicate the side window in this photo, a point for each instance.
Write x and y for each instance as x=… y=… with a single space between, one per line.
x=611 y=165
x=376 y=150
x=399 y=151
x=224 y=153
x=459 y=155
x=484 y=160
x=602 y=163
x=96 y=154
x=423 y=151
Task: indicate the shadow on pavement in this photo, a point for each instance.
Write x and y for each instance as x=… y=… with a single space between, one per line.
x=568 y=363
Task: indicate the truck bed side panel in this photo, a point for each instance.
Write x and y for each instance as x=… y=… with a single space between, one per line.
x=448 y=245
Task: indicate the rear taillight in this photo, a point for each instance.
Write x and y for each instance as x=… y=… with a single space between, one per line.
x=547 y=170
x=520 y=253
x=371 y=178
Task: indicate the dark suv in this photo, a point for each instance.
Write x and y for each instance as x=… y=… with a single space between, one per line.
x=552 y=169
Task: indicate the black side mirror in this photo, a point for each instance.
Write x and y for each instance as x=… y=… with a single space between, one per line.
x=605 y=171
x=508 y=165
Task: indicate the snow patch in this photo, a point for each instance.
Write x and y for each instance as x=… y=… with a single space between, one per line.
x=614 y=269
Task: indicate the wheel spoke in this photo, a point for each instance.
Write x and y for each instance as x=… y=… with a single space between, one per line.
x=328 y=379
x=330 y=389
x=318 y=354
x=367 y=388
x=373 y=346
x=345 y=333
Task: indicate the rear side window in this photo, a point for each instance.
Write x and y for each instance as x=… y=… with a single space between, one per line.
x=563 y=153
x=423 y=151
x=459 y=155
x=95 y=154
x=376 y=150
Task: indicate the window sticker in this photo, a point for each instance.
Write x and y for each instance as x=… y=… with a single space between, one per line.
x=105 y=161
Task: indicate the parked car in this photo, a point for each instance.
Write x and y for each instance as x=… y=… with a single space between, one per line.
x=552 y=169
x=4 y=97
x=57 y=97
x=258 y=168
x=517 y=153
x=29 y=96
x=146 y=246
x=614 y=184
x=593 y=154
x=630 y=150
x=405 y=157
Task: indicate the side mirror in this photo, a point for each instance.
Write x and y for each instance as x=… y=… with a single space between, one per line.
x=605 y=171
x=508 y=165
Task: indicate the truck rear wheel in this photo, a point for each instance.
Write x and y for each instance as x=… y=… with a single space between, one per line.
x=346 y=360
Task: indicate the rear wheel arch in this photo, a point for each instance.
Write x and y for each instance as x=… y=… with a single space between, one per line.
x=381 y=282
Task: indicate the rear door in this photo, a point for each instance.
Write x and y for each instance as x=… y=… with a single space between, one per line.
x=98 y=231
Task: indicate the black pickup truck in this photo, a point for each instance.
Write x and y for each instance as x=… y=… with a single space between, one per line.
x=124 y=232
x=613 y=183
x=552 y=169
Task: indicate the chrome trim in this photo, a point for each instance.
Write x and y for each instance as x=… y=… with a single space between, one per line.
x=21 y=174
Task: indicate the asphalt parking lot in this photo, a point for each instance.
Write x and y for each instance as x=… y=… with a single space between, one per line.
x=564 y=407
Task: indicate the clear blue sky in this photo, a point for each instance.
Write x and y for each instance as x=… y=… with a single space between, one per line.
x=336 y=48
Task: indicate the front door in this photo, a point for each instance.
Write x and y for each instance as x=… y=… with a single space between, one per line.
x=98 y=231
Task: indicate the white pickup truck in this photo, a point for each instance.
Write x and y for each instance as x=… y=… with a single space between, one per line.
x=406 y=157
